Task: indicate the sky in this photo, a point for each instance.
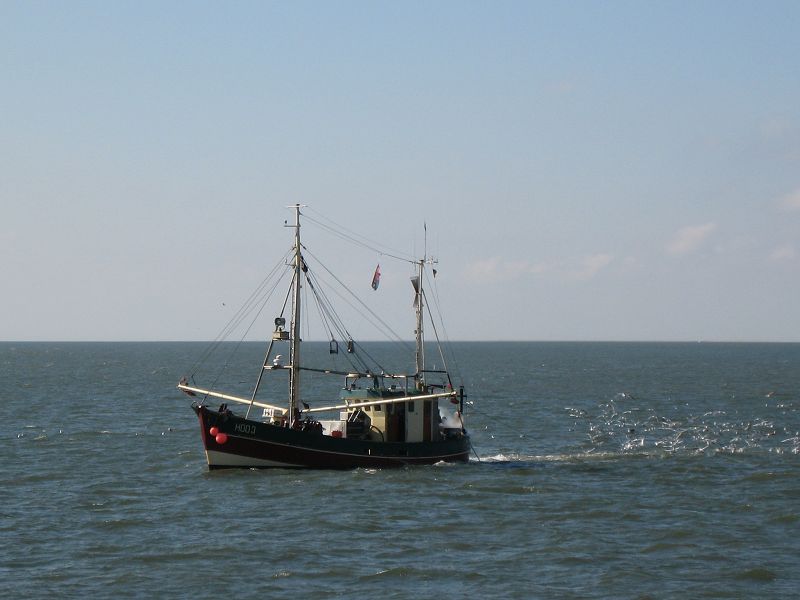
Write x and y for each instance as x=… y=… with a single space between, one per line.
x=585 y=170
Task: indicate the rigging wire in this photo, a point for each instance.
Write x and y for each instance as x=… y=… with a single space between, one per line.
x=352 y=237
x=436 y=335
x=355 y=238
x=239 y=315
x=448 y=344
x=387 y=330
x=329 y=315
x=342 y=329
x=330 y=319
x=441 y=354
x=326 y=324
x=327 y=307
x=235 y=349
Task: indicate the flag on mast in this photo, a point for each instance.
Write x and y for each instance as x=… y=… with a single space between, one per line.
x=376 y=278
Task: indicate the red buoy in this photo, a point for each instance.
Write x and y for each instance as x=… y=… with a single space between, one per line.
x=221 y=438
x=213 y=431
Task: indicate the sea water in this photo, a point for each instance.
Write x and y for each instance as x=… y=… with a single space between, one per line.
x=600 y=470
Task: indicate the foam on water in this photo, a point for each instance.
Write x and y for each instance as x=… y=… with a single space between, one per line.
x=629 y=424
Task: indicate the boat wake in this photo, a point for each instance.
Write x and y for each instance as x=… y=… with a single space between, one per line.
x=624 y=426
x=627 y=427
x=520 y=459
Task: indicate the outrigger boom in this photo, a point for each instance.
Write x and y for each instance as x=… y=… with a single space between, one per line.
x=379 y=402
x=194 y=391
x=213 y=394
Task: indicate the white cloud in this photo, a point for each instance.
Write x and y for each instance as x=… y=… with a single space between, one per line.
x=539 y=268
x=785 y=252
x=689 y=238
x=495 y=270
x=790 y=202
x=591 y=265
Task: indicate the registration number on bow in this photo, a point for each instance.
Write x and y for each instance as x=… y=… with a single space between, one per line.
x=245 y=428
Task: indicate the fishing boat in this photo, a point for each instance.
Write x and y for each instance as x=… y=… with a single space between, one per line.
x=379 y=418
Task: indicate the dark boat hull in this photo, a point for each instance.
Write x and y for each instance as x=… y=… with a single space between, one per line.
x=252 y=444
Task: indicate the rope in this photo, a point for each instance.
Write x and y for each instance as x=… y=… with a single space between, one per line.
x=388 y=329
x=475 y=452
x=350 y=236
x=246 y=331
x=238 y=316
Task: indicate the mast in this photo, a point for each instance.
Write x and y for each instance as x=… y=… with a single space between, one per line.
x=294 y=375
x=419 y=354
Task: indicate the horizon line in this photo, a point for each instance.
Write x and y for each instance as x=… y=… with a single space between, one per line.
x=411 y=341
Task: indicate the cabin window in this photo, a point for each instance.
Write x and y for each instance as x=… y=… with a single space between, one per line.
x=368 y=408
x=377 y=408
x=411 y=406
